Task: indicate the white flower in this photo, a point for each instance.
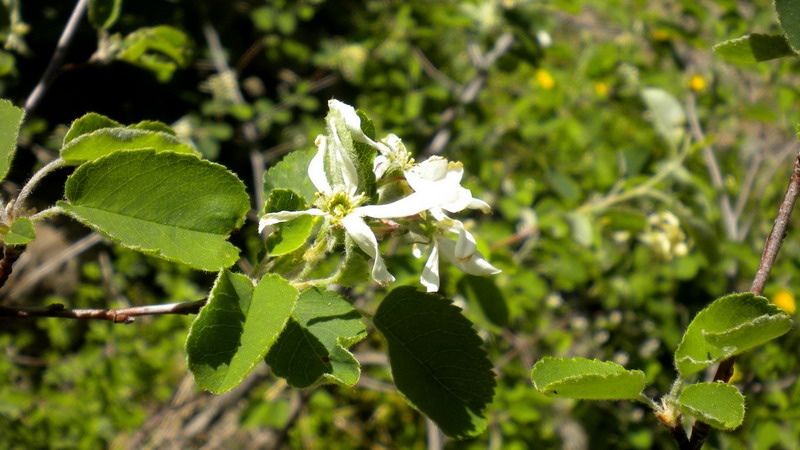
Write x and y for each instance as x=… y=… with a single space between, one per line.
x=339 y=204
x=462 y=253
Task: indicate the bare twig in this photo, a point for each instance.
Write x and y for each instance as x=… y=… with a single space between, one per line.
x=772 y=245
x=58 y=56
x=118 y=315
x=729 y=219
x=469 y=93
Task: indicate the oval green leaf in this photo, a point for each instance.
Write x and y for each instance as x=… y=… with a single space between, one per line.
x=160 y=49
x=236 y=328
x=586 y=379
x=313 y=347
x=753 y=48
x=21 y=232
x=728 y=326
x=10 y=121
x=103 y=141
x=291 y=173
x=171 y=205
x=88 y=123
x=437 y=360
x=717 y=404
x=291 y=235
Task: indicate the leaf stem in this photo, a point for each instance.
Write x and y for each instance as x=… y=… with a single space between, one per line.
x=45 y=213
x=772 y=245
x=18 y=204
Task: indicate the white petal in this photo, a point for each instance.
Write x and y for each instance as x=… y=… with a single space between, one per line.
x=405 y=207
x=480 y=204
x=316 y=168
x=458 y=198
x=284 y=216
x=380 y=165
x=464 y=255
x=360 y=232
x=342 y=161
x=430 y=274
x=351 y=121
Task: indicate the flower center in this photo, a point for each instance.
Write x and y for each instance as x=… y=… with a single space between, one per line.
x=339 y=204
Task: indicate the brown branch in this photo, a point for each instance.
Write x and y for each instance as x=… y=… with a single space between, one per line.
x=10 y=255
x=118 y=315
x=772 y=245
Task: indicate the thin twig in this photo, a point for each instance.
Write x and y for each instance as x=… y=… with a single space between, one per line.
x=772 y=245
x=118 y=315
x=58 y=56
x=469 y=93
x=729 y=219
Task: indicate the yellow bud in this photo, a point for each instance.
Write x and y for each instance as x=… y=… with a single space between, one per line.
x=601 y=89
x=544 y=79
x=785 y=301
x=697 y=83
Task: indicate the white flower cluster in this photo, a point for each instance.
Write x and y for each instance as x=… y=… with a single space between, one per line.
x=426 y=193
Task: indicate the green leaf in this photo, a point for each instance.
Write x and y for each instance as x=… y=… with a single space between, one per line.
x=101 y=142
x=437 y=360
x=586 y=379
x=484 y=295
x=728 y=326
x=292 y=173
x=161 y=50
x=103 y=13
x=313 y=347
x=153 y=125
x=236 y=328
x=291 y=235
x=86 y=124
x=10 y=121
x=365 y=155
x=717 y=404
x=666 y=113
x=753 y=48
x=20 y=233
x=171 y=205
x=789 y=18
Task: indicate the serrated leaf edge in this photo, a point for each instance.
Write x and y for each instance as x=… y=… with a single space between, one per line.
x=709 y=419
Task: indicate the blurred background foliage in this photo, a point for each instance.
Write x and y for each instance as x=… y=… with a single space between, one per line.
x=634 y=177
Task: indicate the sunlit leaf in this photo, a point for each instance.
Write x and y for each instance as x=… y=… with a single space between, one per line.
x=313 y=347
x=10 y=121
x=236 y=328
x=586 y=379
x=21 y=232
x=717 y=404
x=728 y=326
x=752 y=48
x=171 y=205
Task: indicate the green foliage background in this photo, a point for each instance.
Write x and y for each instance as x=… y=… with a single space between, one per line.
x=552 y=130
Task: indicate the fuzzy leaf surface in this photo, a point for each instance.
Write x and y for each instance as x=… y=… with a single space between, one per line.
x=586 y=379
x=313 y=347
x=717 y=404
x=728 y=326
x=10 y=121
x=236 y=328
x=753 y=48
x=171 y=205
x=103 y=141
